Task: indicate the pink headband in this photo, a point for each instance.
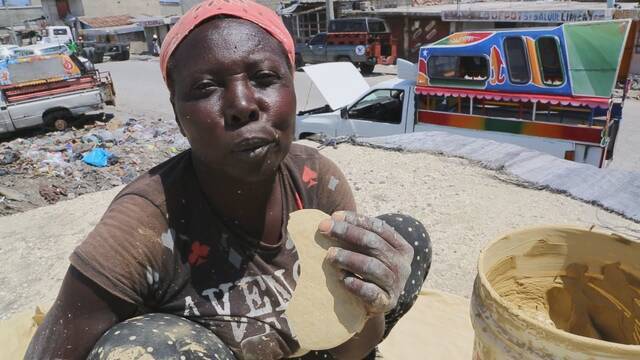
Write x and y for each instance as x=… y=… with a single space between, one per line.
x=243 y=9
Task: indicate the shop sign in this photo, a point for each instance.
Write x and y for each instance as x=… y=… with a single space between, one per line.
x=543 y=16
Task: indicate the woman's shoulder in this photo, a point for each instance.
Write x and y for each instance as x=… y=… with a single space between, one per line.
x=320 y=181
x=302 y=155
x=160 y=184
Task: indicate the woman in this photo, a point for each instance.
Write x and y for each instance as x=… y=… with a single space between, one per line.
x=203 y=235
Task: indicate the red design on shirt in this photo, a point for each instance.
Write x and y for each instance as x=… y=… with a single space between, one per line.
x=199 y=253
x=309 y=176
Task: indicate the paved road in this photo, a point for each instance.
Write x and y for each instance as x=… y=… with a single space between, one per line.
x=141 y=92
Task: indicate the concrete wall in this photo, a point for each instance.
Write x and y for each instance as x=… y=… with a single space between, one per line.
x=95 y=8
x=15 y=16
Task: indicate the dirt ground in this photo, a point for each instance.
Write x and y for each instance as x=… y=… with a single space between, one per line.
x=462 y=205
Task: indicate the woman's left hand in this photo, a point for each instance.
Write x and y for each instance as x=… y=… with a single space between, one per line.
x=375 y=259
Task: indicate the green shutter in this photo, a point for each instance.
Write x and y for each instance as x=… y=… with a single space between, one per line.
x=595 y=52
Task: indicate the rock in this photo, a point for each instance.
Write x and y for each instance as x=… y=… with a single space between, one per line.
x=12 y=194
x=52 y=193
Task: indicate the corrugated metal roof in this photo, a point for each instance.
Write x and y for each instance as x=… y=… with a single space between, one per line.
x=107 y=21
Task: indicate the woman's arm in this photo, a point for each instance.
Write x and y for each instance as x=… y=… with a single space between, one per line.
x=82 y=312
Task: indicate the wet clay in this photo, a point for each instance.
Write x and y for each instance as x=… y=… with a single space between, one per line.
x=600 y=302
x=322 y=313
x=604 y=306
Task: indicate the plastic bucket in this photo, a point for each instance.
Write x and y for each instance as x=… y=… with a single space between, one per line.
x=537 y=288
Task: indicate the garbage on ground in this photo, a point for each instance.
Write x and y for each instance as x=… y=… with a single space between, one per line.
x=51 y=193
x=97 y=157
x=40 y=168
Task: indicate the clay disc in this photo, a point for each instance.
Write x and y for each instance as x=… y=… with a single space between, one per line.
x=322 y=313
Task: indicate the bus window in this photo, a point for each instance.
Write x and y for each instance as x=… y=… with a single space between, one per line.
x=550 y=61
x=458 y=68
x=517 y=60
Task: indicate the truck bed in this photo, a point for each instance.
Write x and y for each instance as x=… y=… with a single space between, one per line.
x=18 y=93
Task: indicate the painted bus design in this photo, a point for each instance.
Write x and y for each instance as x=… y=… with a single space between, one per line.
x=552 y=88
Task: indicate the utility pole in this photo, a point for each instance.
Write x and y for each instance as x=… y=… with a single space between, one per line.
x=330 y=16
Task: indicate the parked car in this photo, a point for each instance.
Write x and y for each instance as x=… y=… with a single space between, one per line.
x=96 y=51
x=56 y=35
x=363 y=42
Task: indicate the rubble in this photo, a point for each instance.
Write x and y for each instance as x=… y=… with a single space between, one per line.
x=40 y=168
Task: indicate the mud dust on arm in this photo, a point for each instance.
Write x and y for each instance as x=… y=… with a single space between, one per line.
x=82 y=312
x=106 y=282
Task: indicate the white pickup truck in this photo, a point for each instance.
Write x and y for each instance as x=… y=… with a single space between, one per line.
x=50 y=101
x=356 y=109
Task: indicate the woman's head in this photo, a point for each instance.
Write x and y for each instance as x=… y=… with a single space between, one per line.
x=231 y=85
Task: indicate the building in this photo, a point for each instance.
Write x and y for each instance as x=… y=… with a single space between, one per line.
x=20 y=19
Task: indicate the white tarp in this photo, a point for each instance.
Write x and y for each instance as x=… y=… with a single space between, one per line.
x=351 y=84
x=612 y=189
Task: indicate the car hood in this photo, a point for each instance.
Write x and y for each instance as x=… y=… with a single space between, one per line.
x=339 y=83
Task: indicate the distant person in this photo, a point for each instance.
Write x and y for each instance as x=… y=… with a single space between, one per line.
x=193 y=258
x=156 y=45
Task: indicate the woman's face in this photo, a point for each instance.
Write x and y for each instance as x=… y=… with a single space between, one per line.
x=233 y=95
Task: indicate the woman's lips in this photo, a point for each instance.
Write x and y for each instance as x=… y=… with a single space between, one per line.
x=253 y=147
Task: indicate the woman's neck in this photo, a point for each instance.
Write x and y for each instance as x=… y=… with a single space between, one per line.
x=254 y=206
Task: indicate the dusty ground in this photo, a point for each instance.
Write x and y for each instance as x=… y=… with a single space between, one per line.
x=462 y=205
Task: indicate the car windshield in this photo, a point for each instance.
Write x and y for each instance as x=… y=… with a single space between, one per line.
x=377 y=26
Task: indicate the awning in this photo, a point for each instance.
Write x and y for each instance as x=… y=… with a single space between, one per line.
x=592 y=102
x=113 y=30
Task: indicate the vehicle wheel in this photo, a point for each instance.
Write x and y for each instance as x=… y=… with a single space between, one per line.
x=98 y=57
x=60 y=124
x=126 y=55
x=58 y=120
x=343 y=59
x=367 y=69
x=299 y=61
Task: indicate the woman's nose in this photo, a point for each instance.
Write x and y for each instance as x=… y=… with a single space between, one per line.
x=240 y=106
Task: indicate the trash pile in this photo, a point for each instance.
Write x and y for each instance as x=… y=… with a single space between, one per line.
x=44 y=168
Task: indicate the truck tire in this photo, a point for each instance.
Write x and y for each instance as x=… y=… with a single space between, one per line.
x=299 y=61
x=367 y=69
x=126 y=55
x=98 y=57
x=58 y=120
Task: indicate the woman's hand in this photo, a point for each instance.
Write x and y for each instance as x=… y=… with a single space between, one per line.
x=375 y=259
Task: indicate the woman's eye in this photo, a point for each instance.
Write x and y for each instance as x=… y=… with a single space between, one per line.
x=205 y=85
x=265 y=78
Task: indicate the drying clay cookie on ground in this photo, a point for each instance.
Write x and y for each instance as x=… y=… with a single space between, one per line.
x=322 y=313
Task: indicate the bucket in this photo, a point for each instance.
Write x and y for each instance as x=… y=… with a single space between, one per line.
x=557 y=293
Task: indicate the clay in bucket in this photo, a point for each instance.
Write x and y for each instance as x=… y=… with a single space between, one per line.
x=558 y=292
x=322 y=313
